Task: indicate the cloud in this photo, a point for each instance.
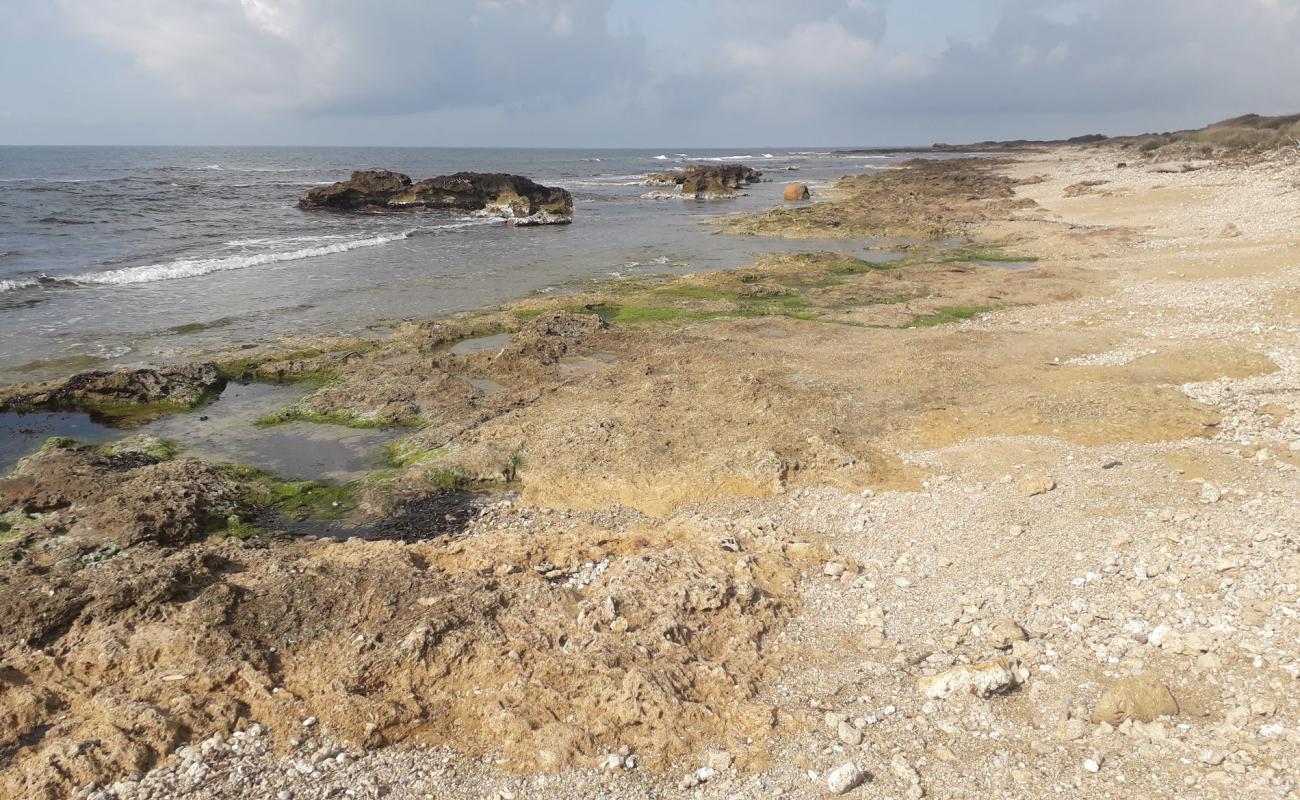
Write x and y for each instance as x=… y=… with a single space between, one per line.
x=1113 y=55
x=711 y=70
x=339 y=56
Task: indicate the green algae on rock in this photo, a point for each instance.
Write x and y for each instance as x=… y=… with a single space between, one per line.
x=123 y=398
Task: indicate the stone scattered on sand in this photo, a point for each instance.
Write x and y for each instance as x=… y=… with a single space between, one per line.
x=719 y=760
x=794 y=192
x=1004 y=632
x=1034 y=485
x=518 y=200
x=845 y=778
x=999 y=675
x=849 y=733
x=1141 y=698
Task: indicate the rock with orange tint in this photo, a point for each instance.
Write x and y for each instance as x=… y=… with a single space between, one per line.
x=795 y=192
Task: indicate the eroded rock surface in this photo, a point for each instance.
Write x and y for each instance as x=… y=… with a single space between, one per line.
x=518 y=200
x=706 y=182
x=115 y=392
x=71 y=499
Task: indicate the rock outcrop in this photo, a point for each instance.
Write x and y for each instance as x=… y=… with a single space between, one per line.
x=706 y=182
x=120 y=393
x=72 y=499
x=518 y=200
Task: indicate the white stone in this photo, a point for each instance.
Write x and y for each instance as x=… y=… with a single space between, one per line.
x=981 y=680
x=845 y=778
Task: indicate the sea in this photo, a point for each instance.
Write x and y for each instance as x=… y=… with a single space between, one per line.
x=130 y=255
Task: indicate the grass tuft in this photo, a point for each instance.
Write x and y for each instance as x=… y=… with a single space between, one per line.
x=293 y=499
x=449 y=479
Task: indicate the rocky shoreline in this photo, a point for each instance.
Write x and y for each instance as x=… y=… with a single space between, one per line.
x=1006 y=514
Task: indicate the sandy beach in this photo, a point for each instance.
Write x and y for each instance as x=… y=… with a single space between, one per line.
x=1005 y=509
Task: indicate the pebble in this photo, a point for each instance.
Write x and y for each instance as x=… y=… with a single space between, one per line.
x=1034 y=485
x=845 y=778
x=849 y=733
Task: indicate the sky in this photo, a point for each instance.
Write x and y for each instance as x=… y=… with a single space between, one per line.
x=634 y=73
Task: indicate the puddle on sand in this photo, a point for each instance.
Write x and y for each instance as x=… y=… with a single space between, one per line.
x=223 y=431
x=577 y=365
x=495 y=342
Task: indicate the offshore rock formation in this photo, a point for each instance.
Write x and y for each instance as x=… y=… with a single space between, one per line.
x=518 y=200
x=706 y=182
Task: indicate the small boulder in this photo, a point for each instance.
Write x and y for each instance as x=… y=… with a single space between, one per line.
x=990 y=677
x=794 y=192
x=1141 y=698
x=1033 y=485
x=845 y=778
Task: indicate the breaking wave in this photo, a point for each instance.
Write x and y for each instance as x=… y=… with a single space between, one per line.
x=14 y=285
x=194 y=267
x=190 y=268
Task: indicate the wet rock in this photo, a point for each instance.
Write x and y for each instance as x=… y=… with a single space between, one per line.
x=706 y=182
x=518 y=200
x=113 y=393
x=1141 y=698
x=550 y=337
x=794 y=192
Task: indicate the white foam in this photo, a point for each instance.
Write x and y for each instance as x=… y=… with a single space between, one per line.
x=325 y=237
x=661 y=158
x=190 y=268
x=15 y=285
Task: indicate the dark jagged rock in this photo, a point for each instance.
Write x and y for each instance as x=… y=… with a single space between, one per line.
x=364 y=191
x=518 y=200
x=707 y=182
x=125 y=394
